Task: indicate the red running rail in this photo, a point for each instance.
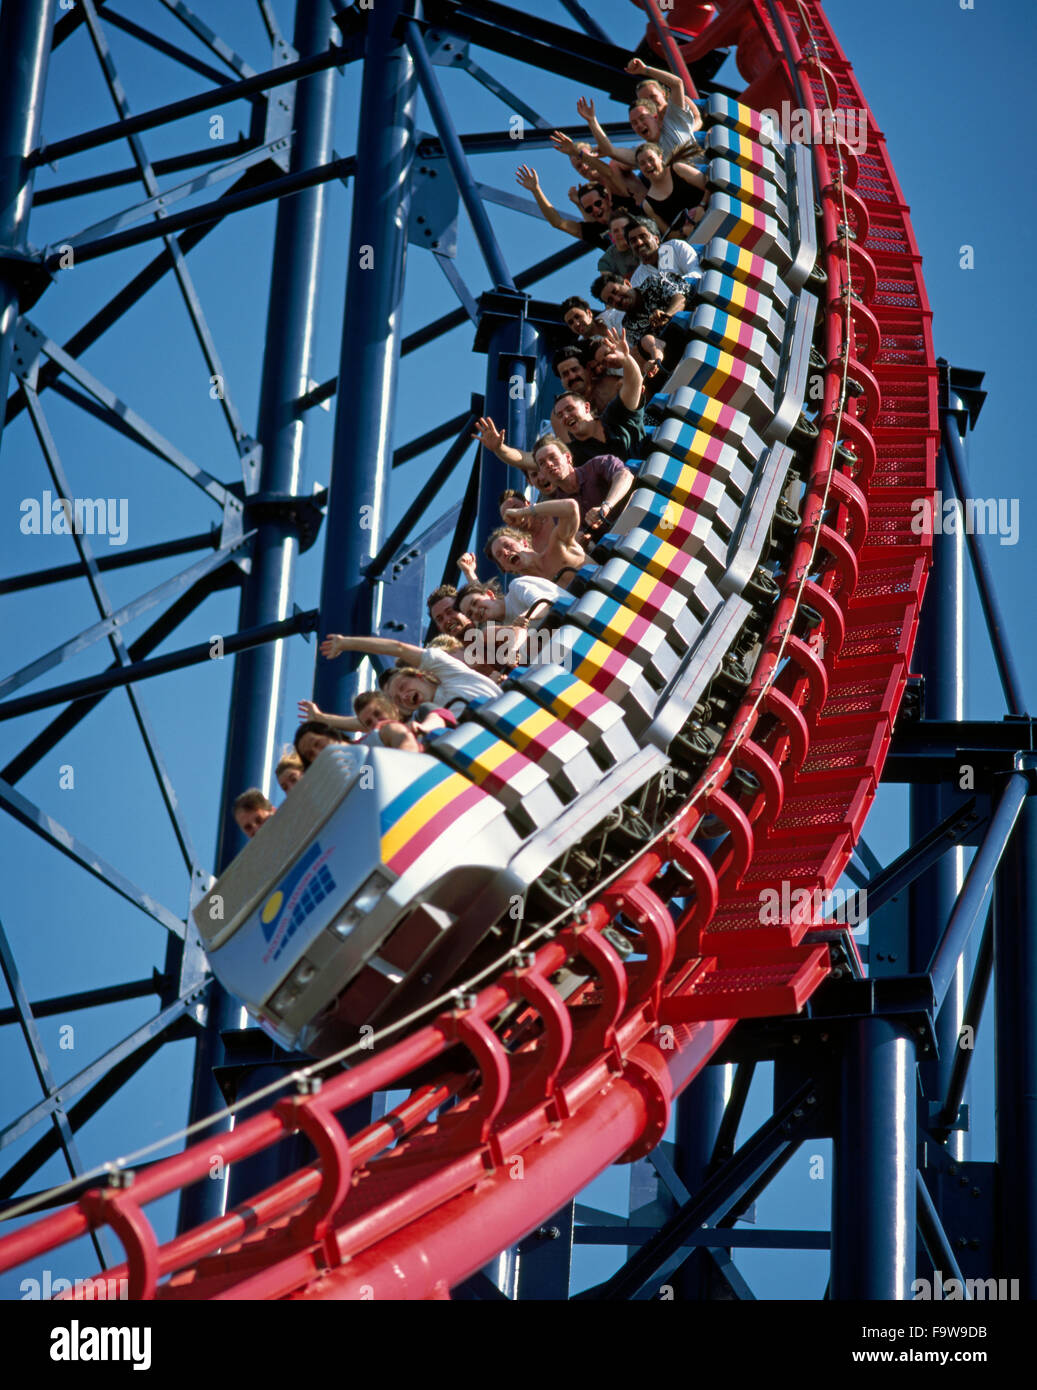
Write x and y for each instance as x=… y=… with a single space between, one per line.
x=530 y=1129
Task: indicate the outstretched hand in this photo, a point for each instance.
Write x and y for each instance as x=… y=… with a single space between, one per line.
x=333 y=645
x=527 y=178
x=617 y=340
x=308 y=710
x=585 y=110
x=488 y=435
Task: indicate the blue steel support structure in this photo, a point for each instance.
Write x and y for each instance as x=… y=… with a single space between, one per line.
x=371 y=339
x=873 y=1203
x=511 y=344
x=940 y=658
x=1015 y=975
x=24 y=54
x=700 y=1110
x=259 y=674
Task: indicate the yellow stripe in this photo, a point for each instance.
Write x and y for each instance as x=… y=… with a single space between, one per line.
x=489 y=760
x=642 y=590
x=597 y=656
x=619 y=624
x=569 y=700
x=699 y=440
x=532 y=728
x=422 y=811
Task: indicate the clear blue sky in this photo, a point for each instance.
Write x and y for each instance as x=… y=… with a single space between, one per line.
x=948 y=88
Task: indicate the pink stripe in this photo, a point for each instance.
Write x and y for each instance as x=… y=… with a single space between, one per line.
x=432 y=829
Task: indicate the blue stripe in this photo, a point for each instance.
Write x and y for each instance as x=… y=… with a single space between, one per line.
x=393 y=810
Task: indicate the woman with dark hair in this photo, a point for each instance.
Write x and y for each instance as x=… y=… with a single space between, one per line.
x=313 y=736
x=676 y=189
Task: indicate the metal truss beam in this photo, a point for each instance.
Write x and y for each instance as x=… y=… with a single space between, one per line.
x=115 y=639
x=161 y=200
x=216 y=210
x=442 y=471
x=209 y=38
x=722 y=1194
x=520 y=35
x=118 y=304
x=170 y=588
x=142 y=555
x=935 y=750
x=114 y=679
x=979 y=881
x=116 y=178
x=100 y=1067
x=87 y=999
x=27 y=813
x=186 y=285
x=442 y=120
x=163 y=46
x=25 y=34
x=339 y=55
x=35 y=341
x=43 y=1149
x=150 y=638
x=45 y=1076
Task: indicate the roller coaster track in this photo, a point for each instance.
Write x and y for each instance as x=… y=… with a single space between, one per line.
x=411 y=1206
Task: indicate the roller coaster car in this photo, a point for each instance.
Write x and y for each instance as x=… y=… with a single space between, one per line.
x=346 y=894
x=388 y=875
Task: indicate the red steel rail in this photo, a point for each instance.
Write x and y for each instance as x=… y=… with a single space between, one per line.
x=408 y=1208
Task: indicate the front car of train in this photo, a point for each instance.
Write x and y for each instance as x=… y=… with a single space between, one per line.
x=346 y=894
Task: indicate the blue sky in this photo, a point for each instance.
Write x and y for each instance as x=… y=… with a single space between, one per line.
x=948 y=88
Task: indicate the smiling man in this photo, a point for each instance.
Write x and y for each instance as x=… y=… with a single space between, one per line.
x=597 y=486
x=619 y=427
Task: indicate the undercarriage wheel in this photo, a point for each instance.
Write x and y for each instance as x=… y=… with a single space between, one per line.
x=552 y=893
x=762 y=588
x=818 y=276
x=804 y=428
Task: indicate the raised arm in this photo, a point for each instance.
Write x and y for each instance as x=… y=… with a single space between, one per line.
x=349 y=722
x=528 y=179
x=633 y=380
x=490 y=437
x=466 y=565
x=585 y=109
x=565 y=511
x=690 y=173
x=672 y=85
x=335 y=644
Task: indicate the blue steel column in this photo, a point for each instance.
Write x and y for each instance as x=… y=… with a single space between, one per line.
x=259 y=675
x=511 y=403
x=1015 y=975
x=24 y=54
x=940 y=658
x=700 y=1109
x=873 y=1203
x=369 y=361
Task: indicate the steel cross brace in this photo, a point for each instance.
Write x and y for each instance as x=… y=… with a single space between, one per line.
x=660 y=1257
x=41 y=1064
x=118 y=646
